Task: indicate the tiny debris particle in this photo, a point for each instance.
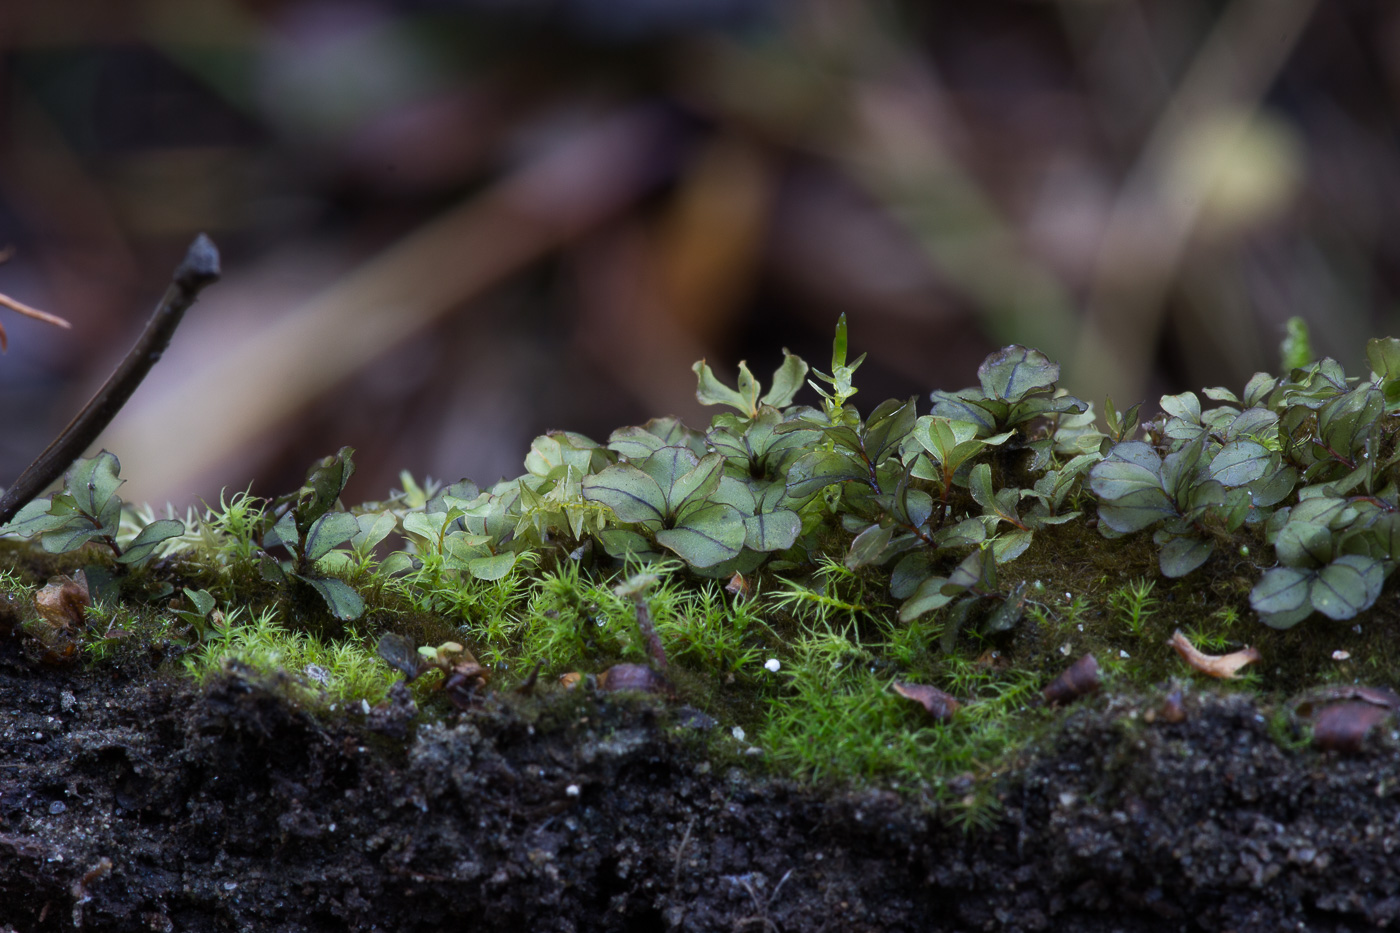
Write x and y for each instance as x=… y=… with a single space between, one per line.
x=1123 y=654
x=1340 y=655
x=738 y=733
x=572 y=790
x=773 y=664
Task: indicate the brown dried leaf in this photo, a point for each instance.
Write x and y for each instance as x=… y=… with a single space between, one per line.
x=941 y=706
x=1342 y=727
x=63 y=603
x=738 y=585
x=1215 y=665
x=1079 y=679
x=570 y=680
x=633 y=677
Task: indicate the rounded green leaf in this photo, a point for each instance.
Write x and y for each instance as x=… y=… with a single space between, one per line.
x=928 y=597
x=631 y=494
x=710 y=391
x=1180 y=556
x=1130 y=467
x=92 y=482
x=698 y=482
x=772 y=531
x=707 y=535
x=328 y=531
x=492 y=568
x=1281 y=590
x=345 y=604
x=1014 y=372
x=1348 y=585
x=868 y=547
x=1136 y=510
x=1240 y=462
x=1303 y=544
x=787 y=379
x=150 y=538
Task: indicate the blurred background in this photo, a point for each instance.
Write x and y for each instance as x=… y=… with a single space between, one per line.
x=450 y=225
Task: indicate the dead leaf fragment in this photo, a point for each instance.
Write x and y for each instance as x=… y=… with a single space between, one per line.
x=1342 y=727
x=1215 y=665
x=1079 y=679
x=941 y=706
x=63 y=602
x=738 y=585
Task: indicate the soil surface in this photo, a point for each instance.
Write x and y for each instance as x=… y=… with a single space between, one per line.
x=129 y=805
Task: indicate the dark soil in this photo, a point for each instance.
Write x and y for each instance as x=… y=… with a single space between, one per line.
x=131 y=805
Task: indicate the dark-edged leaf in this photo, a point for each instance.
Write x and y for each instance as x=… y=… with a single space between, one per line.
x=927 y=597
x=399 y=653
x=1185 y=406
x=868 y=547
x=710 y=391
x=345 y=604
x=1014 y=372
x=1129 y=467
x=954 y=407
x=699 y=482
x=787 y=379
x=492 y=568
x=1281 y=590
x=631 y=494
x=978 y=570
x=70 y=536
x=149 y=538
x=772 y=531
x=1136 y=510
x=1348 y=585
x=706 y=535
x=329 y=531
x=1304 y=544
x=819 y=469
x=1274 y=486
x=324 y=484
x=92 y=483
x=36 y=518
x=887 y=427
x=1008 y=613
x=1240 y=462
x=1011 y=545
x=1180 y=556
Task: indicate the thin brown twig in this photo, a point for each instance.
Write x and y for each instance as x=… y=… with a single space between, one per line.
x=199 y=268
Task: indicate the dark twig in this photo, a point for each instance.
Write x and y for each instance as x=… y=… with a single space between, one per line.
x=199 y=268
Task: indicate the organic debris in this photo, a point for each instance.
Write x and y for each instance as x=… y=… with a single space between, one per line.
x=940 y=705
x=1224 y=666
x=1079 y=679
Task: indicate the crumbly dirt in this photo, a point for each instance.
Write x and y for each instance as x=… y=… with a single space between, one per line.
x=132 y=805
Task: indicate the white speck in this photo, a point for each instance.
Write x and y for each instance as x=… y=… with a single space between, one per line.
x=230 y=885
x=1123 y=654
x=572 y=790
x=364 y=706
x=331 y=827
x=773 y=664
x=1068 y=595
x=1066 y=648
x=1080 y=626
x=1340 y=655
x=738 y=733
x=318 y=673
x=1066 y=799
